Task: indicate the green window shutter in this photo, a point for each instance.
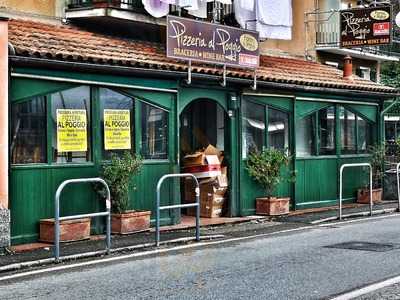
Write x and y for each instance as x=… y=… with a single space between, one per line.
x=276 y=102
x=365 y=111
x=25 y=88
x=305 y=108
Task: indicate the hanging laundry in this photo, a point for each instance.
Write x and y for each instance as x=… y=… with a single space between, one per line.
x=274 y=12
x=188 y=4
x=274 y=32
x=156 y=8
x=246 y=4
x=173 y=2
x=224 y=1
x=201 y=11
x=246 y=18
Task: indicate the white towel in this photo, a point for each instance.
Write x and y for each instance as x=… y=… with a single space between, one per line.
x=156 y=8
x=246 y=18
x=246 y=4
x=274 y=12
x=201 y=11
x=189 y=4
x=173 y=2
x=274 y=32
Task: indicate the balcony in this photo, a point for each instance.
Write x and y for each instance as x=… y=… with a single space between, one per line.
x=111 y=10
x=328 y=40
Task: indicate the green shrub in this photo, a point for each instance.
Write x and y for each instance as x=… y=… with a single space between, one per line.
x=265 y=167
x=118 y=174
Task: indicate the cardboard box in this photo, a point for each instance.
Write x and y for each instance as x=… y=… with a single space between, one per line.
x=211 y=206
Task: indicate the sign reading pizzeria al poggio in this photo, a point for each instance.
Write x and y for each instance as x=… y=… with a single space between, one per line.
x=211 y=43
x=365 y=26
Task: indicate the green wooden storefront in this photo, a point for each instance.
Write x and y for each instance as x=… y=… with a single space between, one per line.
x=32 y=185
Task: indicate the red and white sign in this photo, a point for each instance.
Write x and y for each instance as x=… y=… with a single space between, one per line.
x=381 y=28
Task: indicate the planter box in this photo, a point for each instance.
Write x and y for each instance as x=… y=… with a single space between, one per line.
x=70 y=230
x=363 y=196
x=130 y=222
x=272 y=206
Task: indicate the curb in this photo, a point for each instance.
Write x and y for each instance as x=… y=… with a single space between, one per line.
x=357 y=214
x=47 y=261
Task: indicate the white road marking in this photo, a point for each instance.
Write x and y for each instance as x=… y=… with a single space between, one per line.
x=368 y=289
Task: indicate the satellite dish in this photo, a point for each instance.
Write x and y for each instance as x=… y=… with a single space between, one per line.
x=397 y=19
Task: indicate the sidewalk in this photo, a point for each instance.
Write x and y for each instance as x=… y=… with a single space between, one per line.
x=145 y=241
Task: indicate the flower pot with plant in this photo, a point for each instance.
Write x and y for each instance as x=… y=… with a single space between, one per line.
x=377 y=160
x=118 y=174
x=265 y=167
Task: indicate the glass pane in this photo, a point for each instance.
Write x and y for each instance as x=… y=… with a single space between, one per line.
x=348 y=131
x=327 y=131
x=72 y=131
x=278 y=129
x=364 y=134
x=253 y=127
x=28 y=132
x=154 y=132
x=305 y=136
x=119 y=108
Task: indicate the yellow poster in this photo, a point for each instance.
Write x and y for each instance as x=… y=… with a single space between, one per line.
x=117 y=129
x=71 y=130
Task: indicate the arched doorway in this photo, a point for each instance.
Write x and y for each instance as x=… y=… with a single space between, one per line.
x=204 y=151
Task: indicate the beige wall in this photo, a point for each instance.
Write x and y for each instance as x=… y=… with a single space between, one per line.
x=296 y=46
x=40 y=7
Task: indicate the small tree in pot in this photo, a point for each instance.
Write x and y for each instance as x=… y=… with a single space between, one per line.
x=377 y=161
x=265 y=167
x=118 y=174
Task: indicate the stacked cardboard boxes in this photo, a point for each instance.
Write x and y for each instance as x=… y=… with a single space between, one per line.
x=206 y=166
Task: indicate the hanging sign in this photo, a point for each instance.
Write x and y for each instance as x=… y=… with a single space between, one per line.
x=365 y=26
x=212 y=43
x=117 y=129
x=71 y=130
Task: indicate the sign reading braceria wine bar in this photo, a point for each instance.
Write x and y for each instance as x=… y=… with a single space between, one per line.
x=211 y=43
x=365 y=26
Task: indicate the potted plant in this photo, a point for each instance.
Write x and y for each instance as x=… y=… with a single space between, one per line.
x=377 y=160
x=118 y=173
x=265 y=167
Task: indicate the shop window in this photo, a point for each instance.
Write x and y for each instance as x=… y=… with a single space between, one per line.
x=364 y=135
x=305 y=136
x=118 y=131
x=71 y=125
x=278 y=129
x=154 y=142
x=253 y=127
x=326 y=119
x=348 y=131
x=28 y=131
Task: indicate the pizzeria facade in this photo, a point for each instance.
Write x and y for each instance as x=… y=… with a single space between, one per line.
x=63 y=77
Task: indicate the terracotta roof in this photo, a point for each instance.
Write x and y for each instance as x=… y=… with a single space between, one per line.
x=69 y=43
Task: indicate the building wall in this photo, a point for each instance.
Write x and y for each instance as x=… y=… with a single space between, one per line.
x=50 y=8
x=296 y=46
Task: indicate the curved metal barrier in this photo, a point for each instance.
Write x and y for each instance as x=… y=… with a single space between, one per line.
x=196 y=204
x=341 y=185
x=57 y=217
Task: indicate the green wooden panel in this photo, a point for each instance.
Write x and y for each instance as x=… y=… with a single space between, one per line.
x=304 y=108
x=353 y=178
x=23 y=88
x=164 y=100
x=187 y=95
x=281 y=103
x=367 y=111
x=130 y=80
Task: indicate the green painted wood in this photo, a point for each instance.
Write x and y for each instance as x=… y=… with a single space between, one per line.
x=282 y=103
x=23 y=88
x=187 y=95
x=304 y=108
x=366 y=111
x=131 y=80
x=165 y=100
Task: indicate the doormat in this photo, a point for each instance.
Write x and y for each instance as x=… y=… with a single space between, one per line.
x=365 y=246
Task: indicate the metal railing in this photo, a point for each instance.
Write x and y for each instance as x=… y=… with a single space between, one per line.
x=196 y=204
x=57 y=217
x=341 y=185
x=135 y=5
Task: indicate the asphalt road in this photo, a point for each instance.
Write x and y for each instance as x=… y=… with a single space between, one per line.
x=295 y=265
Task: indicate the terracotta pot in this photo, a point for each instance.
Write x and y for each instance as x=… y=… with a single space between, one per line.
x=363 y=195
x=130 y=222
x=70 y=230
x=272 y=206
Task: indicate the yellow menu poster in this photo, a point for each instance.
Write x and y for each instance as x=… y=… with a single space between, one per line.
x=117 y=129
x=71 y=130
